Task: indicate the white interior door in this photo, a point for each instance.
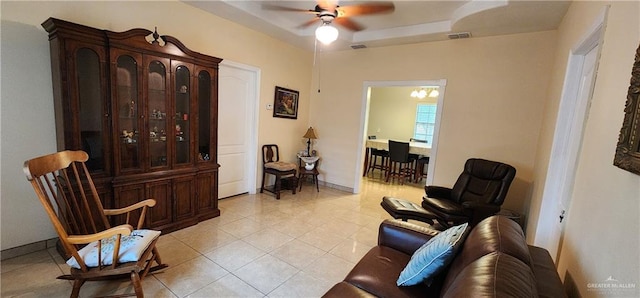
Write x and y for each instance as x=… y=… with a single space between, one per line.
x=237 y=97
x=563 y=163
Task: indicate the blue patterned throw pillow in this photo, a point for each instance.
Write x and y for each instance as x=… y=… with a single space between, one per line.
x=431 y=258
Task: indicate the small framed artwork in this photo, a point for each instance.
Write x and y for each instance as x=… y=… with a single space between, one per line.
x=285 y=104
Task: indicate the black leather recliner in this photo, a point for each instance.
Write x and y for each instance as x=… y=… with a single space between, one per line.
x=477 y=194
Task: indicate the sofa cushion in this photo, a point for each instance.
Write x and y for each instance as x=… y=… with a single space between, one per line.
x=445 y=206
x=493 y=275
x=496 y=233
x=433 y=256
x=378 y=270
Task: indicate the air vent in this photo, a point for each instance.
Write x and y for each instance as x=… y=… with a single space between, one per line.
x=459 y=35
x=358 y=46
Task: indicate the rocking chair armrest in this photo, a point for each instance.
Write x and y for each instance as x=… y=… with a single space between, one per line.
x=84 y=239
x=138 y=205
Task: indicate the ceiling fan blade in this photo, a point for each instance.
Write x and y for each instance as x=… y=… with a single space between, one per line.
x=309 y=23
x=283 y=8
x=365 y=9
x=329 y=5
x=349 y=24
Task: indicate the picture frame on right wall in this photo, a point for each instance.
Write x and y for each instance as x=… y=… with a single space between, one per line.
x=628 y=149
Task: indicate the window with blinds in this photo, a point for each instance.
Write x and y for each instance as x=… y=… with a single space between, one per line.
x=425 y=122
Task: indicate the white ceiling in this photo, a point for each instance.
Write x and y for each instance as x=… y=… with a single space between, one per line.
x=410 y=22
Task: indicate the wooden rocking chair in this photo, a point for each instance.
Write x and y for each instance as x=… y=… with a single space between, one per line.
x=97 y=251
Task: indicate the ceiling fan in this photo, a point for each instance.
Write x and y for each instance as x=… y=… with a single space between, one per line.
x=328 y=11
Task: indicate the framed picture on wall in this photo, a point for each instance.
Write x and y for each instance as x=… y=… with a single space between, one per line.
x=285 y=103
x=627 y=155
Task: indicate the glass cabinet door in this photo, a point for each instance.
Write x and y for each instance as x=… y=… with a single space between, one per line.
x=127 y=109
x=204 y=116
x=182 y=85
x=157 y=112
x=91 y=105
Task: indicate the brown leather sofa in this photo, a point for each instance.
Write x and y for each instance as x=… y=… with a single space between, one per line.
x=494 y=261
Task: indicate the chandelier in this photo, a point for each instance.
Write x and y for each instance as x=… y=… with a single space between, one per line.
x=424 y=92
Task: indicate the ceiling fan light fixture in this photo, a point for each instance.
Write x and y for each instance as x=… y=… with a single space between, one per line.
x=326 y=33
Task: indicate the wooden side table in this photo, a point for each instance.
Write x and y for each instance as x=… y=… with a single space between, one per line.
x=305 y=170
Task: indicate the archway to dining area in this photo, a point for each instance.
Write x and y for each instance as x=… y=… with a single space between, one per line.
x=396 y=110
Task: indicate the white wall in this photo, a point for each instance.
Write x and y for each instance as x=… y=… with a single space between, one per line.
x=392 y=112
x=493 y=107
x=26 y=95
x=603 y=221
x=27 y=130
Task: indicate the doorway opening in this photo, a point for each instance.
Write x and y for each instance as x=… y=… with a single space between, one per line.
x=401 y=92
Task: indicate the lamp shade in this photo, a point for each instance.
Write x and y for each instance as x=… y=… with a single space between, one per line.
x=310 y=134
x=326 y=33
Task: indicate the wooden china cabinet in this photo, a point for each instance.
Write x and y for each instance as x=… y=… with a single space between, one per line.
x=144 y=107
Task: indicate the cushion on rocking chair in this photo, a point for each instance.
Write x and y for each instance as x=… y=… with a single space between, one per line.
x=131 y=248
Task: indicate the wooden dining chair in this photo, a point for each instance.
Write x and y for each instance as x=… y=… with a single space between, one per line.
x=373 y=159
x=271 y=164
x=96 y=250
x=400 y=164
x=420 y=162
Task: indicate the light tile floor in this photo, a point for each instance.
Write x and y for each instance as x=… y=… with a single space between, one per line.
x=298 y=246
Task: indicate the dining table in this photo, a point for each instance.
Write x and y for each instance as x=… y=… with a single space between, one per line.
x=419 y=148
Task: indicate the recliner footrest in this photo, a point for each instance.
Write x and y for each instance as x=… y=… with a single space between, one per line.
x=405 y=210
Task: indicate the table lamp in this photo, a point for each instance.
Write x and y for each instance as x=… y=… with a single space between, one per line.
x=309 y=135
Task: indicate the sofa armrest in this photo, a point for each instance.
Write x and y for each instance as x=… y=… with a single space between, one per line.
x=403 y=236
x=548 y=281
x=438 y=192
